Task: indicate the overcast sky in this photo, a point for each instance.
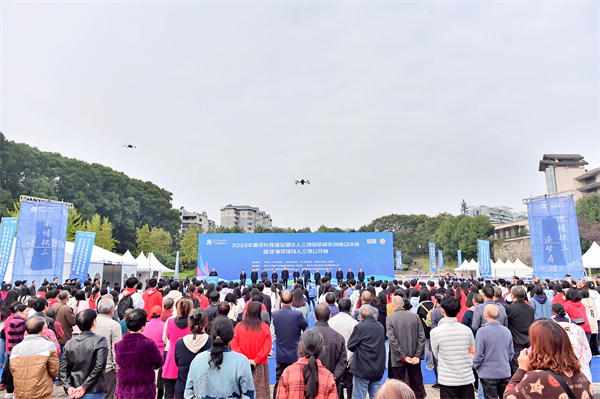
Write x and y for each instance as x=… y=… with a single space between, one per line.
x=385 y=107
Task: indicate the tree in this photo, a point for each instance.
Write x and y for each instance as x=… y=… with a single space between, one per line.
x=161 y=240
x=588 y=207
x=323 y=229
x=237 y=230
x=445 y=238
x=304 y=230
x=588 y=233
x=143 y=240
x=189 y=245
x=463 y=208
x=74 y=224
x=103 y=229
x=469 y=230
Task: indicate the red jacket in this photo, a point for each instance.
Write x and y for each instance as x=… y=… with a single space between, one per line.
x=255 y=345
x=204 y=302
x=151 y=297
x=576 y=310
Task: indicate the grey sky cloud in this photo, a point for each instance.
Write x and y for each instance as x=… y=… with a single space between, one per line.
x=385 y=107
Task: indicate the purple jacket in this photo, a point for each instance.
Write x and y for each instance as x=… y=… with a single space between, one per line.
x=136 y=372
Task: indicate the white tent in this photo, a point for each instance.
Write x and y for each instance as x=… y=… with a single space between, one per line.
x=466 y=266
x=509 y=269
x=591 y=259
x=100 y=257
x=150 y=267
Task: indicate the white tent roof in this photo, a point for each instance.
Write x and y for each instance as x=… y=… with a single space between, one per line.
x=591 y=259
x=127 y=257
x=151 y=264
x=467 y=266
x=509 y=268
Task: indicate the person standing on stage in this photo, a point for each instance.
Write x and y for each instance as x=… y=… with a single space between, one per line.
x=306 y=275
x=285 y=276
x=274 y=276
x=296 y=275
x=264 y=275
x=317 y=277
x=213 y=272
x=243 y=278
x=350 y=275
x=361 y=276
x=328 y=274
x=254 y=276
x=339 y=275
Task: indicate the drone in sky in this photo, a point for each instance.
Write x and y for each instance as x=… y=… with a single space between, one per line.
x=302 y=182
x=128 y=146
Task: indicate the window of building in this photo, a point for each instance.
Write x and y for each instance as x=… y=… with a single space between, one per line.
x=249 y=223
x=551 y=179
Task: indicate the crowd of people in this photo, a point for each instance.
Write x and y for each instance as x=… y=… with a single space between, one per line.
x=189 y=339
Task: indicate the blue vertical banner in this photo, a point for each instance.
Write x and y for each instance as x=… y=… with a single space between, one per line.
x=41 y=238
x=459 y=257
x=7 y=238
x=432 y=263
x=554 y=234
x=483 y=256
x=441 y=259
x=399 y=260
x=176 y=275
x=82 y=253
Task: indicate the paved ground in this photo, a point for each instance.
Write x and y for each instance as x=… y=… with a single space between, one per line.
x=59 y=392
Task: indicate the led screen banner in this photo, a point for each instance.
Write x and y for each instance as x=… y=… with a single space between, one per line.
x=82 y=253
x=432 y=262
x=7 y=238
x=399 y=260
x=41 y=238
x=483 y=256
x=228 y=254
x=554 y=234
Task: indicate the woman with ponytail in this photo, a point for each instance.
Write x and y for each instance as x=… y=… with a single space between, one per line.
x=252 y=338
x=220 y=372
x=188 y=347
x=307 y=378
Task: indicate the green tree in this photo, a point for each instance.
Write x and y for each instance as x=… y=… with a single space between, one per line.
x=445 y=238
x=189 y=245
x=469 y=230
x=236 y=230
x=304 y=230
x=143 y=240
x=74 y=224
x=161 y=240
x=323 y=229
x=103 y=229
x=588 y=207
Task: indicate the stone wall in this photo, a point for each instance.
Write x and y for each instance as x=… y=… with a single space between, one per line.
x=512 y=249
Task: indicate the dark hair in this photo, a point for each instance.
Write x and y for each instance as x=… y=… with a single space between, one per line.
x=20 y=307
x=198 y=321
x=184 y=307
x=451 y=306
x=322 y=312
x=424 y=295
x=573 y=295
x=85 y=319
x=11 y=297
x=488 y=291
x=136 y=319
x=537 y=290
x=252 y=320
x=39 y=304
x=152 y=283
x=131 y=282
x=222 y=334
x=223 y=308
x=35 y=325
x=311 y=346
x=344 y=305
x=559 y=309
x=298 y=298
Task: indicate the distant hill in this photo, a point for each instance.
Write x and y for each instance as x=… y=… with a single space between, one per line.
x=93 y=188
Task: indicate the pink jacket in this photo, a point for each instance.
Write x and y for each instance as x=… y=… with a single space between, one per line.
x=173 y=333
x=154 y=331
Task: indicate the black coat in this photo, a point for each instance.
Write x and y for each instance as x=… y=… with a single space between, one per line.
x=335 y=358
x=213 y=273
x=317 y=277
x=274 y=277
x=264 y=275
x=520 y=316
x=328 y=274
x=285 y=275
x=339 y=275
x=368 y=344
x=183 y=360
x=83 y=361
x=242 y=276
x=349 y=275
x=254 y=276
x=296 y=275
x=361 y=276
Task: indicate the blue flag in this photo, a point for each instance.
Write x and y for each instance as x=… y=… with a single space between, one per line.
x=82 y=253
x=485 y=263
x=459 y=257
x=41 y=238
x=432 y=263
x=399 y=260
x=176 y=276
x=7 y=238
x=441 y=256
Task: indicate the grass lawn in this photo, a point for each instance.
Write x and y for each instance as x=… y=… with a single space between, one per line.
x=424 y=260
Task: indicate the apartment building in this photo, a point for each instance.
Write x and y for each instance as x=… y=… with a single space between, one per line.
x=245 y=216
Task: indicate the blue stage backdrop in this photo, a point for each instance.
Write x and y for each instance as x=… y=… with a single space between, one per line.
x=555 y=246
x=228 y=254
x=40 y=246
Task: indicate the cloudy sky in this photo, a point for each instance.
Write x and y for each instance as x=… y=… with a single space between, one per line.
x=387 y=107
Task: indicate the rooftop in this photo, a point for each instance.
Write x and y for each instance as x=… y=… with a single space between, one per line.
x=562 y=160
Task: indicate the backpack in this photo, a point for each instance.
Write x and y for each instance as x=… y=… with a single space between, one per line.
x=427 y=319
x=312 y=292
x=125 y=303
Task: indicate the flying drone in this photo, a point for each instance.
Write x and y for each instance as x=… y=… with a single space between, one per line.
x=128 y=146
x=302 y=182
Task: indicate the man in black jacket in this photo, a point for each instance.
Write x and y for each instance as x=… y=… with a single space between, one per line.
x=285 y=276
x=520 y=317
x=368 y=344
x=339 y=275
x=335 y=358
x=213 y=272
x=243 y=278
x=266 y=298
x=350 y=275
x=264 y=275
x=361 y=276
x=317 y=277
x=306 y=275
x=254 y=276
x=328 y=274
x=84 y=358
x=296 y=275
x=274 y=276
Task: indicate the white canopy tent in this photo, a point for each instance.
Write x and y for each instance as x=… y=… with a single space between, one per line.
x=150 y=267
x=509 y=269
x=591 y=259
x=100 y=259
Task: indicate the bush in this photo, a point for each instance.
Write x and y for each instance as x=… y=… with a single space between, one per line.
x=407 y=259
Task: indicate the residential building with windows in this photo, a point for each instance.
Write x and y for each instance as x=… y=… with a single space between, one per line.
x=497 y=214
x=187 y=218
x=245 y=216
x=566 y=175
